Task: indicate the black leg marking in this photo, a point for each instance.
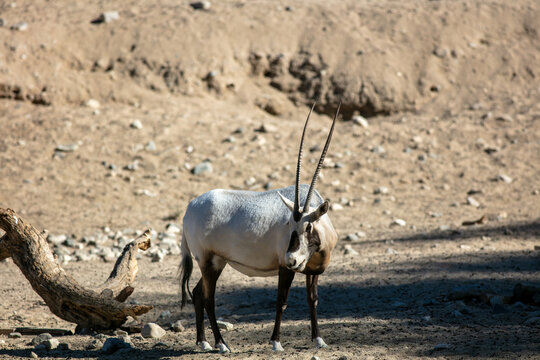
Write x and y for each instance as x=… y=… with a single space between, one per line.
x=313 y=298
x=286 y=277
x=199 y=311
x=210 y=276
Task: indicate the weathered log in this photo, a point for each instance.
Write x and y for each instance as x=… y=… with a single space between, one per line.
x=67 y=299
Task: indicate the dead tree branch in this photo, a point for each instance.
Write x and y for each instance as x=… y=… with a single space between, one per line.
x=95 y=309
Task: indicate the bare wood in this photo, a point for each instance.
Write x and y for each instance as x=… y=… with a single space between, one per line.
x=4 y=252
x=61 y=292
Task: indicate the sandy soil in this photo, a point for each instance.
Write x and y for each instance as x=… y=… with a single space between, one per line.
x=451 y=94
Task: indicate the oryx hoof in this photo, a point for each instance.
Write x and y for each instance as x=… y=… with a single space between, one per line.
x=276 y=346
x=205 y=346
x=319 y=343
x=223 y=349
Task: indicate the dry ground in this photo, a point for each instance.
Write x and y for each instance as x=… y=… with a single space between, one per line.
x=452 y=96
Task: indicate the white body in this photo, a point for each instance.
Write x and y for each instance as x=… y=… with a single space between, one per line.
x=248 y=230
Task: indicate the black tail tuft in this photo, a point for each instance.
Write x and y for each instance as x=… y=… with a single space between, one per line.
x=186 y=268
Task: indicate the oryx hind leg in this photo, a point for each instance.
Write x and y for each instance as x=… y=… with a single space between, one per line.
x=313 y=300
x=198 y=303
x=211 y=271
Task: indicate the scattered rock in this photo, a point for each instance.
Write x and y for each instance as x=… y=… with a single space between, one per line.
x=15 y=335
x=153 y=331
x=505 y=178
x=177 y=326
x=33 y=355
x=204 y=167
x=20 y=26
x=106 y=17
x=51 y=344
x=95 y=344
x=336 y=207
x=112 y=345
x=315 y=358
x=201 y=5
x=150 y=146
x=348 y=250
x=136 y=124
x=164 y=315
x=471 y=201
x=41 y=338
x=504 y=118
x=378 y=149
x=440 y=52
x=93 y=104
x=390 y=251
x=351 y=237
x=381 y=190
x=227 y=326
x=66 y=148
x=398 y=222
x=360 y=120
x=63 y=346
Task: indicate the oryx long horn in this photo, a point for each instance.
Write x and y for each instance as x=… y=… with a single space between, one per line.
x=296 y=211
x=321 y=160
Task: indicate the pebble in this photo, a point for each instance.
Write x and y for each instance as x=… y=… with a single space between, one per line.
x=381 y=190
x=398 y=222
x=67 y=148
x=250 y=181
x=150 y=146
x=20 y=26
x=95 y=344
x=336 y=207
x=108 y=16
x=224 y=325
x=378 y=149
x=204 y=167
x=164 y=315
x=93 y=104
x=177 y=326
x=112 y=345
x=351 y=237
x=51 y=344
x=153 y=331
x=440 y=52
x=14 y=335
x=201 y=5
x=41 y=338
x=505 y=178
x=136 y=124
x=504 y=118
x=360 y=120
x=348 y=250
x=390 y=251
x=266 y=128
x=471 y=201
x=33 y=355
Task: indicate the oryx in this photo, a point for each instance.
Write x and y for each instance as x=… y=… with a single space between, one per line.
x=259 y=234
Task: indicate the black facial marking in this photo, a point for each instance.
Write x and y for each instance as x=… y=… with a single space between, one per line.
x=313 y=239
x=294 y=244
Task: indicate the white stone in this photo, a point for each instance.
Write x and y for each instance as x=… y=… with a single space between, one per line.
x=336 y=207
x=152 y=330
x=348 y=250
x=109 y=16
x=227 y=326
x=136 y=124
x=472 y=201
x=93 y=104
x=398 y=222
x=502 y=177
x=381 y=190
x=360 y=120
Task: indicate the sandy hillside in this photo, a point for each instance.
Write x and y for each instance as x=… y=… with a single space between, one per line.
x=102 y=124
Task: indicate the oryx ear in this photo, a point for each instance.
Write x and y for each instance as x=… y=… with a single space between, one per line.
x=320 y=211
x=288 y=203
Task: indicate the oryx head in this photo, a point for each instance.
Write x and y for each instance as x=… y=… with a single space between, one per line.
x=305 y=231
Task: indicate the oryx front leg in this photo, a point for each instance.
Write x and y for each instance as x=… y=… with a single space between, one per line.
x=210 y=274
x=286 y=277
x=313 y=299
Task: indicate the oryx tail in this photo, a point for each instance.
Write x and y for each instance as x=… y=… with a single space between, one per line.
x=186 y=268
